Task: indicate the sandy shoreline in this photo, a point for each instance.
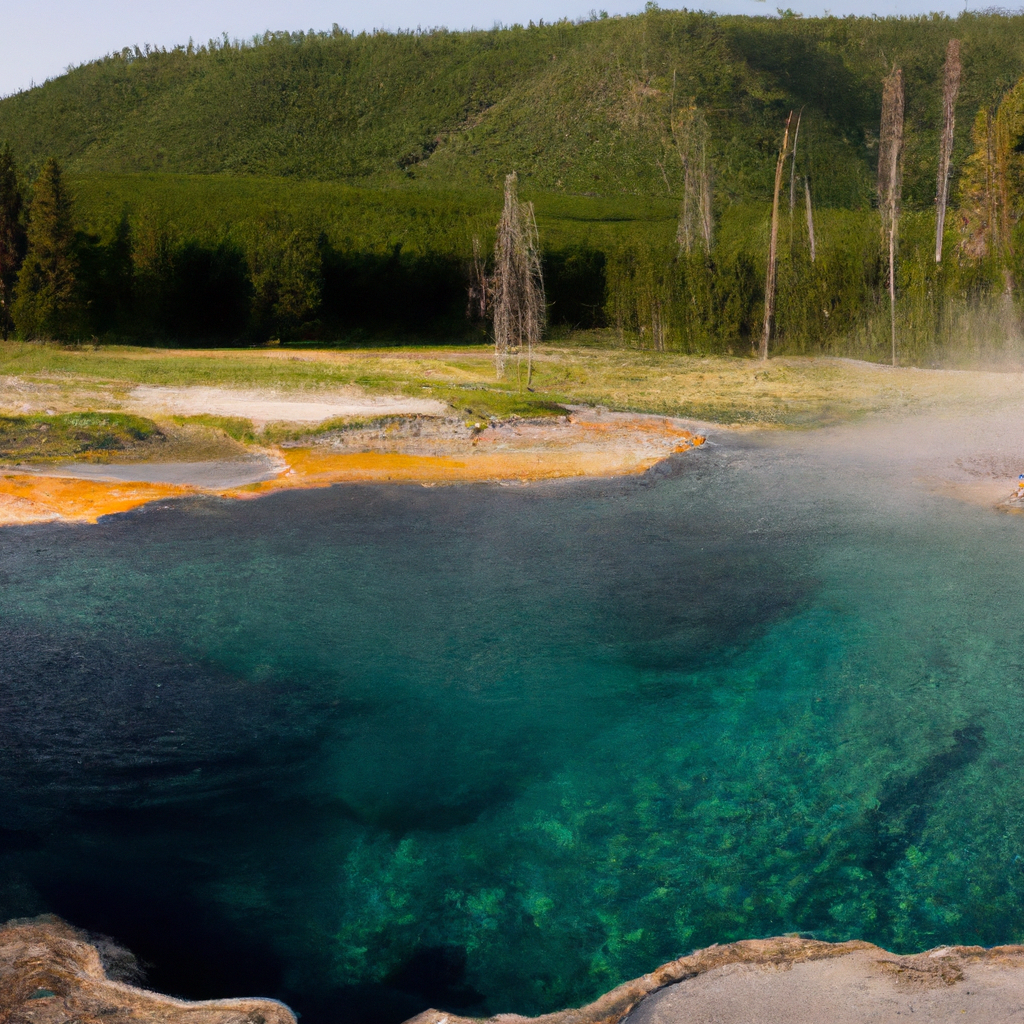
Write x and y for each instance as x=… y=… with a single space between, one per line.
x=417 y=449
x=963 y=444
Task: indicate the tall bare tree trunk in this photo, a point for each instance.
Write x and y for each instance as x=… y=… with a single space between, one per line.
x=810 y=216
x=537 y=306
x=690 y=135
x=518 y=284
x=769 y=285
x=890 y=179
x=950 y=89
x=478 y=298
x=792 y=165
x=706 y=223
x=684 y=233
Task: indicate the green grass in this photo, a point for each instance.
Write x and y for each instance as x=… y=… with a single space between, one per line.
x=475 y=402
x=236 y=427
x=130 y=365
x=34 y=438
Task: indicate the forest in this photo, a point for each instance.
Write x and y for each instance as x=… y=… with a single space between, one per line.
x=332 y=188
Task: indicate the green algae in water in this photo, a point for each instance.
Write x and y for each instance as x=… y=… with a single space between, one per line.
x=499 y=750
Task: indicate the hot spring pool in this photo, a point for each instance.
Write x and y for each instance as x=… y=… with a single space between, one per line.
x=370 y=749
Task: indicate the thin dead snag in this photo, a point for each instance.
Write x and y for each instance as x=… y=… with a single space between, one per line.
x=518 y=283
x=890 y=180
x=792 y=165
x=950 y=88
x=807 y=192
x=690 y=135
x=810 y=216
x=769 y=285
x=479 y=291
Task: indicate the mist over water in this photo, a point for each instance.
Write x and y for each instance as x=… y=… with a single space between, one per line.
x=370 y=749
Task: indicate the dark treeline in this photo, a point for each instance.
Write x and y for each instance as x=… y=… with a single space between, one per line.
x=293 y=287
x=143 y=277
x=140 y=280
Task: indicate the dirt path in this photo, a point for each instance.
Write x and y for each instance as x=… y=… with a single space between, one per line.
x=262 y=407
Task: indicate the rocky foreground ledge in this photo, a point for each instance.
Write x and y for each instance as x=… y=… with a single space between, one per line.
x=51 y=974
x=790 y=980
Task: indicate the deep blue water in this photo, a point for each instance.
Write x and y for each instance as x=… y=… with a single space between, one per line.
x=370 y=749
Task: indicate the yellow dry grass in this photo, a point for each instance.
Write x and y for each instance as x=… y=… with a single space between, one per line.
x=791 y=391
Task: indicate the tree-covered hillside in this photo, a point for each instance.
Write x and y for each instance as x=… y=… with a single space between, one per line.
x=329 y=187
x=580 y=107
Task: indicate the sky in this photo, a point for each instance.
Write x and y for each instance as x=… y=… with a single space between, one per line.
x=41 y=39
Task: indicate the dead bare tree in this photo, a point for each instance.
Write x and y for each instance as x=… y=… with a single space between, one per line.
x=810 y=216
x=769 y=285
x=518 y=284
x=950 y=88
x=704 y=198
x=690 y=135
x=792 y=165
x=890 y=179
x=479 y=291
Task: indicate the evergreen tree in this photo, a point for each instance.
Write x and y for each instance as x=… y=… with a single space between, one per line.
x=46 y=306
x=12 y=237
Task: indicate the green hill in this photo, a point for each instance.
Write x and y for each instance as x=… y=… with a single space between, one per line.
x=579 y=107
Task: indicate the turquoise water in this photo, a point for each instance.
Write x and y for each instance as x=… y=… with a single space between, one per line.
x=499 y=749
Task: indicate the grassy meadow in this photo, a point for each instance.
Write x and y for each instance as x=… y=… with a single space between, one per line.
x=787 y=392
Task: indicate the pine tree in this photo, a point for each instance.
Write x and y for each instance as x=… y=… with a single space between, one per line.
x=12 y=237
x=46 y=306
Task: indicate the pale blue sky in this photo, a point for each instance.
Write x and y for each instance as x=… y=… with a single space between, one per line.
x=38 y=40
